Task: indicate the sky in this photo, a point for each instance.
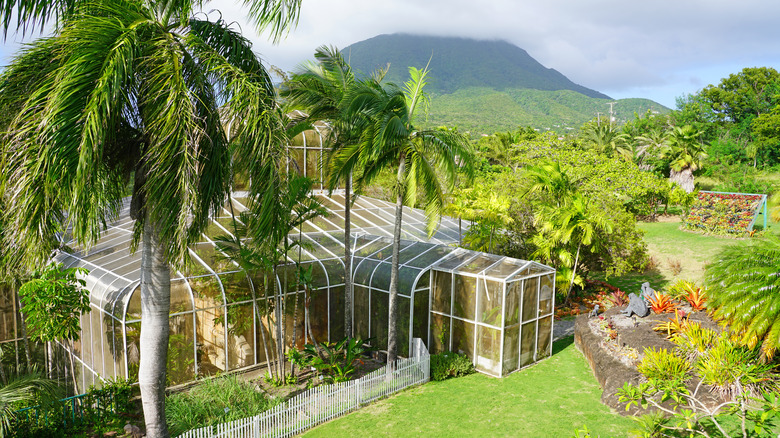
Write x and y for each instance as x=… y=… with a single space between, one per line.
x=659 y=49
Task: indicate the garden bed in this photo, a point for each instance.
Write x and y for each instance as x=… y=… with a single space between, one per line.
x=613 y=350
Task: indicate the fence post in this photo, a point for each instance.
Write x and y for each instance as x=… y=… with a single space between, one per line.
x=256 y=426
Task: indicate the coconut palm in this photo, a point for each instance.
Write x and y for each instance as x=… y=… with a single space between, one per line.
x=135 y=88
x=423 y=159
x=686 y=154
x=321 y=88
x=743 y=285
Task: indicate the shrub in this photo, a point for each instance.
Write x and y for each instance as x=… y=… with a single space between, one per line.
x=727 y=367
x=214 y=401
x=689 y=291
x=661 y=303
x=673 y=326
x=449 y=364
x=663 y=365
x=693 y=341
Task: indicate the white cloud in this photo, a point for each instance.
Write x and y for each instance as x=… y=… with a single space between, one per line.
x=662 y=48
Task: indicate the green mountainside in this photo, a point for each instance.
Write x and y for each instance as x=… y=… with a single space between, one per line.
x=488 y=86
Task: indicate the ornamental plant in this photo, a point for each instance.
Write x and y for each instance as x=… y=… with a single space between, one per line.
x=660 y=302
x=723 y=213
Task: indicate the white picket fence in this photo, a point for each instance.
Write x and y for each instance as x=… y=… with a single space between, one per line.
x=325 y=402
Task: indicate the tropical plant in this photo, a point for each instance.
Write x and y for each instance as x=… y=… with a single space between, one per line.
x=685 y=153
x=54 y=301
x=742 y=287
x=732 y=369
x=662 y=364
x=564 y=218
x=133 y=88
x=673 y=327
x=336 y=361
x=660 y=302
x=322 y=90
x=286 y=204
x=423 y=159
x=617 y=298
x=602 y=136
x=692 y=340
x=20 y=392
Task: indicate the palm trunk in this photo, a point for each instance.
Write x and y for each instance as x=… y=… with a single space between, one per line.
x=72 y=368
x=25 y=338
x=279 y=329
x=155 y=310
x=3 y=380
x=347 y=260
x=573 y=274
x=392 y=305
x=684 y=178
x=49 y=360
x=270 y=359
x=295 y=326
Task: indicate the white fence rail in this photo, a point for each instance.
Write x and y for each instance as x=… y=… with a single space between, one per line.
x=326 y=401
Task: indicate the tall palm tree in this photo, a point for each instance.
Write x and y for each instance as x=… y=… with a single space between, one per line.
x=389 y=138
x=743 y=285
x=321 y=89
x=686 y=154
x=127 y=87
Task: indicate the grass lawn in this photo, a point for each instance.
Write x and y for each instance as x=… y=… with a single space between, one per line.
x=668 y=245
x=550 y=399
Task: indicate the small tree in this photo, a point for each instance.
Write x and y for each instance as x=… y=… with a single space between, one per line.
x=53 y=302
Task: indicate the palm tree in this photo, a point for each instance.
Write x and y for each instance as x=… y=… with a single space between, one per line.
x=686 y=154
x=133 y=88
x=564 y=218
x=603 y=137
x=30 y=388
x=562 y=228
x=286 y=204
x=743 y=285
x=389 y=138
x=321 y=88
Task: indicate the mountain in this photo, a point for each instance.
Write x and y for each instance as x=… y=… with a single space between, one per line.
x=458 y=63
x=488 y=86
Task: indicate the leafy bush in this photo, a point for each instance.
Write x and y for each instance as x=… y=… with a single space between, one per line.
x=335 y=361
x=663 y=365
x=214 y=401
x=674 y=326
x=693 y=341
x=732 y=369
x=449 y=364
x=661 y=303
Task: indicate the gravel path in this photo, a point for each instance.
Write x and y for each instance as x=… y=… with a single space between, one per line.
x=563 y=328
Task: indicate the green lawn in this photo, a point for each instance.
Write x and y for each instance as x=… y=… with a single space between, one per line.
x=550 y=399
x=668 y=244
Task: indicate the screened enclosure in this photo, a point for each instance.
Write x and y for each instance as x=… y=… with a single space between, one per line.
x=497 y=310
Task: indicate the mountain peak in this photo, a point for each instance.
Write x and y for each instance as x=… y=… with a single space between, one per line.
x=457 y=63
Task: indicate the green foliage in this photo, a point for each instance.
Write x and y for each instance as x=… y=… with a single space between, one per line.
x=449 y=364
x=743 y=284
x=53 y=302
x=748 y=386
x=20 y=392
x=335 y=361
x=733 y=369
x=663 y=365
x=214 y=401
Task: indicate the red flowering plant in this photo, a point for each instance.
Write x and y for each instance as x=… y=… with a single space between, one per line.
x=724 y=213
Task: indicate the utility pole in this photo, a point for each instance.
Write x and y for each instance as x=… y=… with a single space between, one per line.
x=610 y=112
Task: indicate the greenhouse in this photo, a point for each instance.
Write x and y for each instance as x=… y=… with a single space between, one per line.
x=495 y=309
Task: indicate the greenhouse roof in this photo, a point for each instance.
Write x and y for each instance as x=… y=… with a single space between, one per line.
x=113 y=268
